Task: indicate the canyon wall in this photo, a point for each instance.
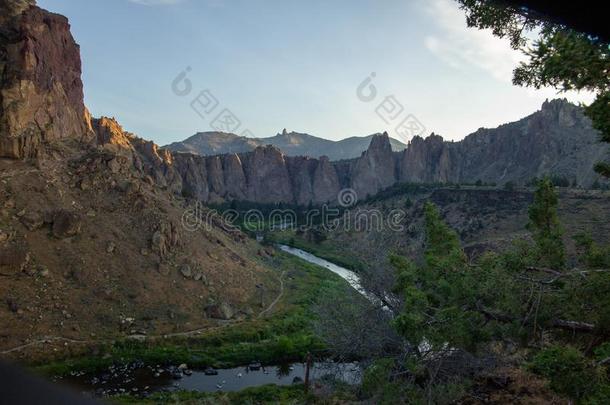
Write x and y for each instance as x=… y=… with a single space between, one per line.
x=41 y=101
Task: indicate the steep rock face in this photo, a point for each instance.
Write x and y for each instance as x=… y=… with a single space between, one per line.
x=234 y=177
x=301 y=170
x=426 y=160
x=267 y=176
x=557 y=140
x=41 y=93
x=375 y=169
x=326 y=184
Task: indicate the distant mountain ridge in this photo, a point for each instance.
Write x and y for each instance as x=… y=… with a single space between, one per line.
x=290 y=143
x=557 y=140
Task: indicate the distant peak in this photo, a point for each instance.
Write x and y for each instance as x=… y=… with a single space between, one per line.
x=380 y=142
x=555 y=104
x=284 y=132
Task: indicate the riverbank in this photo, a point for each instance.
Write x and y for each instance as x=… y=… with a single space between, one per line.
x=283 y=334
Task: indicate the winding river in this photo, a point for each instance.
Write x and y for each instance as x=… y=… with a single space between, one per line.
x=351 y=277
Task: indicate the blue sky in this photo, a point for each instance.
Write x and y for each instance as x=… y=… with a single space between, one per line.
x=294 y=64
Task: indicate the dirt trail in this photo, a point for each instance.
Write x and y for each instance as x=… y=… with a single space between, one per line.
x=50 y=339
x=277 y=299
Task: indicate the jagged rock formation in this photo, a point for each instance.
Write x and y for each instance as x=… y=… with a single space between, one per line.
x=41 y=93
x=290 y=143
x=557 y=140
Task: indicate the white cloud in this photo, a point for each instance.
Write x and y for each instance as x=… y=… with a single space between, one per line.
x=156 y=2
x=462 y=48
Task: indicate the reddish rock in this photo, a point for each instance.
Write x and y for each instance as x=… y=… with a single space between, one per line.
x=41 y=88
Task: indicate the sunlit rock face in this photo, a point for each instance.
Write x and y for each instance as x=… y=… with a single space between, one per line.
x=41 y=93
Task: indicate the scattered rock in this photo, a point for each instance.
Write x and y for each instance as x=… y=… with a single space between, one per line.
x=43 y=271
x=186 y=271
x=66 y=224
x=3 y=236
x=110 y=247
x=165 y=238
x=210 y=371
x=13 y=258
x=220 y=311
x=32 y=220
x=114 y=166
x=158 y=244
x=163 y=269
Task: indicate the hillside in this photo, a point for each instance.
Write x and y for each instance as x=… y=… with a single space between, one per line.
x=91 y=247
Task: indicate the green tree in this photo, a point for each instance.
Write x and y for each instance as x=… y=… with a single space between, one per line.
x=560 y=57
x=438 y=294
x=545 y=227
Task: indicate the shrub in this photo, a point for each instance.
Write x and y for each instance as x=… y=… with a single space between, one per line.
x=568 y=370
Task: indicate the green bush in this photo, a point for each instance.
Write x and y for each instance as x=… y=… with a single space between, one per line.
x=568 y=370
x=376 y=377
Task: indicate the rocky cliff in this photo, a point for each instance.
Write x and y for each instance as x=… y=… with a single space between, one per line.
x=557 y=140
x=41 y=93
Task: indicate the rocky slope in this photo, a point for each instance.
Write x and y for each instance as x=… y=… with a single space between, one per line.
x=92 y=248
x=290 y=143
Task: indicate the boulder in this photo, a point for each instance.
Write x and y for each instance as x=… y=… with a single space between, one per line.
x=164 y=239
x=158 y=244
x=13 y=258
x=66 y=224
x=32 y=220
x=220 y=311
x=163 y=269
x=4 y=236
x=186 y=271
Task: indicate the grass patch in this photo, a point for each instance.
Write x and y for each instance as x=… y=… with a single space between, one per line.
x=289 y=394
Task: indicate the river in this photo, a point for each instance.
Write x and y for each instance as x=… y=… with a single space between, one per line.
x=140 y=379
x=351 y=277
